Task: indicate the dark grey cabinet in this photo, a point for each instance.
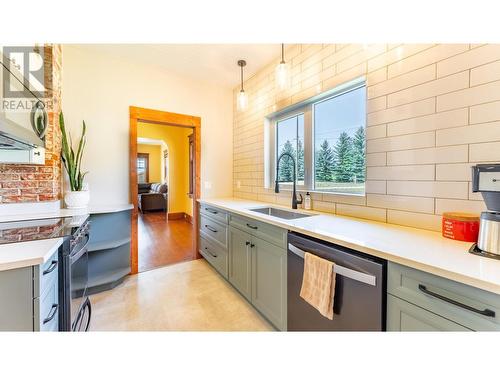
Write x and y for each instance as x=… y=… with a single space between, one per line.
x=29 y=297
x=240 y=261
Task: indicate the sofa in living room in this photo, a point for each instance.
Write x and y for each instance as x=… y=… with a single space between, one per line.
x=153 y=197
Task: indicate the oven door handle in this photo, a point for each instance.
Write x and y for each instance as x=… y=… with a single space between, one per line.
x=344 y=271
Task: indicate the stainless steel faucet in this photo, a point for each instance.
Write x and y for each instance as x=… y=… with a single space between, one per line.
x=295 y=201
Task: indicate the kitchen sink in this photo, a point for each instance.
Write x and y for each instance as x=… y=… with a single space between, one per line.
x=282 y=214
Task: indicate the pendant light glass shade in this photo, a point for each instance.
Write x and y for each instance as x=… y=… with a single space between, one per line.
x=283 y=72
x=242 y=100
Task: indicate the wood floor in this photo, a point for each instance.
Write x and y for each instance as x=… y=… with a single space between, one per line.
x=188 y=296
x=163 y=242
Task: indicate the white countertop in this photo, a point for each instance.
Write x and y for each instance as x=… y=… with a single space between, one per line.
x=417 y=248
x=65 y=212
x=25 y=254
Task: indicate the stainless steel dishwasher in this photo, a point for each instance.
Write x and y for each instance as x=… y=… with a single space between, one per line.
x=360 y=290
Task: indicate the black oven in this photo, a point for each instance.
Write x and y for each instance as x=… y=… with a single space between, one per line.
x=77 y=310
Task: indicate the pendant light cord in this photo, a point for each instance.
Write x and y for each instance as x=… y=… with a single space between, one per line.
x=282 y=53
x=242 y=78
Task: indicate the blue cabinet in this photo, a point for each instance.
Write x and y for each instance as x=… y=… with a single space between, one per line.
x=418 y=300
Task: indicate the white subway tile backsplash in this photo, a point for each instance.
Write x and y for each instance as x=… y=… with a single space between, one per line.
x=475 y=95
x=485 y=113
x=401 y=142
x=406 y=172
x=433 y=88
x=447 y=154
x=454 y=172
x=414 y=204
x=402 y=112
x=363 y=212
x=481 y=152
x=416 y=77
x=461 y=205
x=489 y=131
x=426 y=57
x=377 y=131
x=469 y=59
x=425 y=126
x=485 y=73
x=377 y=104
x=376 y=159
x=433 y=189
x=376 y=186
x=416 y=220
x=441 y=120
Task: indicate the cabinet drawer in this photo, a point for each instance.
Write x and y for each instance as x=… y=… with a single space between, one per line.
x=264 y=231
x=46 y=274
x=46 y=309
x=406 y=317
x=214 y=213
x=460 y=303
x=214 y=230
x=214 y=254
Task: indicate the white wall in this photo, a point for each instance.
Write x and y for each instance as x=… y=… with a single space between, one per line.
x=99 y=88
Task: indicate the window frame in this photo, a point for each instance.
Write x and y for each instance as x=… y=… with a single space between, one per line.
x=307 y=108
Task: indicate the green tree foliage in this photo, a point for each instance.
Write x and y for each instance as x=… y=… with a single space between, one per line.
x=300 y=161
x=324 y=162
x=286 y=163
x=343 y=158
x=358 y=154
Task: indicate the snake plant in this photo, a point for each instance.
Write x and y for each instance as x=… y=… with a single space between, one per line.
x=72 y=161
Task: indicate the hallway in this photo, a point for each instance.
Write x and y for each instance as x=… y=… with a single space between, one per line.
x=162 y=243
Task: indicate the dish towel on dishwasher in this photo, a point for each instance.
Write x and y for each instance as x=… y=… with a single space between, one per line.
x=318 y=284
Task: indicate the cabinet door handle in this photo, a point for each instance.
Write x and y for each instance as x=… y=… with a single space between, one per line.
x=251 y=226
x=247 y=243
x=210 y=228
x=252 y=245
x=52 y=313
x=211 y=211
x=51 y=268
x=208 y=251
x=485 y=312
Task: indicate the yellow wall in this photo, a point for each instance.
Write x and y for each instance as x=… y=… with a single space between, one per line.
x=155 y=161
x=176 y=139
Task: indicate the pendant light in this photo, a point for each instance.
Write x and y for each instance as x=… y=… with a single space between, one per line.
x=242 y=99
x=282 y=71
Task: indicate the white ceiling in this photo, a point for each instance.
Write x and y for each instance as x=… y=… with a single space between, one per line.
x=215 y=63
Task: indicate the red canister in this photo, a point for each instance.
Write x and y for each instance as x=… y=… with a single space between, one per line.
x=460 y=226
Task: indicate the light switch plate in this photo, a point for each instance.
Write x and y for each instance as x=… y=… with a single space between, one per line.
x=208 y=185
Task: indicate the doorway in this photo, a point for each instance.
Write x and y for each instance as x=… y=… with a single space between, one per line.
x=164 y=223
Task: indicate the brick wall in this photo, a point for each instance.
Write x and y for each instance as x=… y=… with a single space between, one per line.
x=29 y=183
x=432 y=112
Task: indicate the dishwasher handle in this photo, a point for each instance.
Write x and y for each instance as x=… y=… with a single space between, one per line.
x=344 y=271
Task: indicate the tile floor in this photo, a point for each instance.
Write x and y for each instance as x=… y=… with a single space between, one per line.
x=189 y=296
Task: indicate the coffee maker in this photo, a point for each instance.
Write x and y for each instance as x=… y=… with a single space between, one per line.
x=486 y=180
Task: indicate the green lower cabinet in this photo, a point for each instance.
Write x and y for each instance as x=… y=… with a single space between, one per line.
x=407 y=317
x=269 y=281
x=257 y=268
x=240 y=261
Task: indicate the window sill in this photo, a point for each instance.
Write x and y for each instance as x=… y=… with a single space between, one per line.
x=303 y=191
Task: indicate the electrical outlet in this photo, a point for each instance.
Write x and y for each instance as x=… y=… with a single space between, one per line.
x=238 y=184
x=208 y=185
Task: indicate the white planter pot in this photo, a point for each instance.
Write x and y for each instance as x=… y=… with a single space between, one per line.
x=77 y=199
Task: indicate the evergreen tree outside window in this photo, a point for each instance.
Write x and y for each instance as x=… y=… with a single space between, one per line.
x=326 y=136
x=290 y=139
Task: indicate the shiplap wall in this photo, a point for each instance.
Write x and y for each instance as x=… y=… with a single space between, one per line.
x=432 y=112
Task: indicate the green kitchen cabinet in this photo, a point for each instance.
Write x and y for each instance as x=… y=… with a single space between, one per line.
x=240 y=261
x=269 y=281
x=407 y=317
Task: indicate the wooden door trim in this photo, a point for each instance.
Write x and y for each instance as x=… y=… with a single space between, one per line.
x=138 y=114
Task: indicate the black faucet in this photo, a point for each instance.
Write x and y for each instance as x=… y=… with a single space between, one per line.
x=295 y=201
